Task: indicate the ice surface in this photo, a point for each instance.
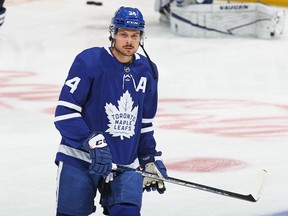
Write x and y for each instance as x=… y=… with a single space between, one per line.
x=222 y=101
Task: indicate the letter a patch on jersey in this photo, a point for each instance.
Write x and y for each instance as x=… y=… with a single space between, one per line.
x=122 y=119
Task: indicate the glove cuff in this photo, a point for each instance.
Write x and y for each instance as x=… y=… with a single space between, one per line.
x=149 y=158
x=86 y=145
x=95 y=140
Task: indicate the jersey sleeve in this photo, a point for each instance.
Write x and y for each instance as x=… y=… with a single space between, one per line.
x=147 y=144
x=68 y=117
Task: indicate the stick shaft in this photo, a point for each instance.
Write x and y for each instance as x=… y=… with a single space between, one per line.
x=246 y=197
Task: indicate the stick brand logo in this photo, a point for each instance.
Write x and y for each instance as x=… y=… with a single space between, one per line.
x=122 y=119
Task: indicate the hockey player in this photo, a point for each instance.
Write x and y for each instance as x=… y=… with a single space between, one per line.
x=2 y=12
x=104 y=115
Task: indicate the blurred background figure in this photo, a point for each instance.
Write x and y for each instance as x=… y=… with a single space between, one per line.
x=163 y=7
x=2 y=12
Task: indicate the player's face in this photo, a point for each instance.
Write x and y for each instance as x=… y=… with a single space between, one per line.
x=126 y=44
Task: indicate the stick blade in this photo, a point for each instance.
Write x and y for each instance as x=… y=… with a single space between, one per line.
x=260 y=184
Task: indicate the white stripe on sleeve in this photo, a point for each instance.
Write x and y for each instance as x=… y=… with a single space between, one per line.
x=67 y=116
x=69 y=105
x=147 y=129
x=146 y=120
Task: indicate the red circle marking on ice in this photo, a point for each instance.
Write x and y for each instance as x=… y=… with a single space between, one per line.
x=206 y=164
x=223 y=117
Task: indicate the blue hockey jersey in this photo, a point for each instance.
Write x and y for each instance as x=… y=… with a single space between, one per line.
x=103 y=94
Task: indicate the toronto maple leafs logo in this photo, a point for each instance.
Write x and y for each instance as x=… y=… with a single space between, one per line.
x=122 y=119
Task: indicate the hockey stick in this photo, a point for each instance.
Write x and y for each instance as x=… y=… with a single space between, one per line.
x=253 y=197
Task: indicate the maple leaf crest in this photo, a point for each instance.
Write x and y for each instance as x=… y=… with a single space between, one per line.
x=122 y=119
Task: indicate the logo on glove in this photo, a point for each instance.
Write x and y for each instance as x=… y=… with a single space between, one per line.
x=97 y=141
